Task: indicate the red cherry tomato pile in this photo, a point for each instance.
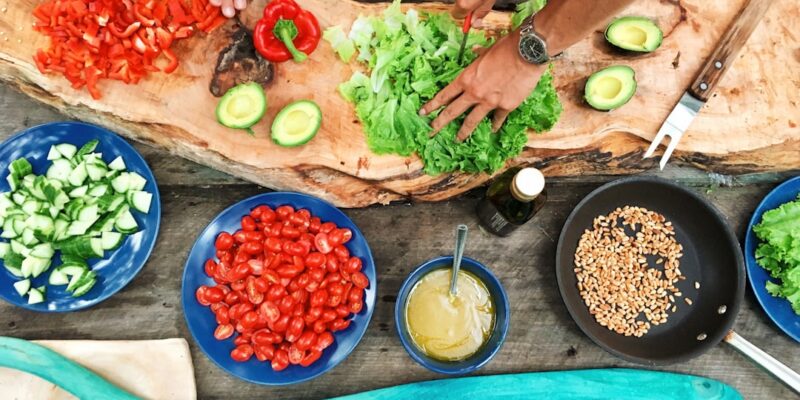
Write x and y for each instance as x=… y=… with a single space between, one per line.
x=285 y=282
x=116 y=39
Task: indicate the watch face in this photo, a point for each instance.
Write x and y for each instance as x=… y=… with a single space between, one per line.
x=533 y=50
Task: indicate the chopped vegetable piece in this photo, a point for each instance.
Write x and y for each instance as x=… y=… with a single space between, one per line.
x=22 y=287
x=296 y=124
x=341 y=44
x=242 y=106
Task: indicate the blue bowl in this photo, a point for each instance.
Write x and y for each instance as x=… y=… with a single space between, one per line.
x=502 y=317
x=119 y=267
x=778 y=309
x=201 y=320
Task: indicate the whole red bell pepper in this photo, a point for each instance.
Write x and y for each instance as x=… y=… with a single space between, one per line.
x=286 y=32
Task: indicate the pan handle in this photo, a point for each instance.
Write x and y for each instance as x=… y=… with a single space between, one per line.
x=780 y=371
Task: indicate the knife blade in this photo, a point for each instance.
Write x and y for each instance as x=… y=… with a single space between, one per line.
x=465 y=29
x=709 y=77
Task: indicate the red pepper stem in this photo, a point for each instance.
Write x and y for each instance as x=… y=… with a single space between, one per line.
x=287 y=36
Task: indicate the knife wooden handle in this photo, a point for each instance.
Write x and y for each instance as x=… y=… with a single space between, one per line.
x=728 y=48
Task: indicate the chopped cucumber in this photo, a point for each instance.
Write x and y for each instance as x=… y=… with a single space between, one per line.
x=140 y=201
x=111 y=240
x=96 y=171
x=35 y=296
x=53 y=154
x=78 y=175
x=121 y=183
x=88 y=147
x=67 y=150
x=58 y=277
x=4 y=249
x=118 y=164
x=125 y=223
x=84 y=288
x=20 y=168
x=72 y=269
x=137 y=182
x=22 y=286
x=14 y=271
x=79 y=191
x=60 y=170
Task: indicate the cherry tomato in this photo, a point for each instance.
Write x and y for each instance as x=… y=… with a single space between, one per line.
x=352 y=265
x=227 y=257
x=327 y=227
x=280 y=361
x=210 y=267
x=270 y=276
x=281 y=324
x=322 y=243
x=239 y=272
x=260 y=353
x=314 y=225
x=242 y=353
x=336 y=237
x=295 y=355
x=328 y=315
x=360 y=280
x=290 y=232
x=253 y=248
x=200 y=295
x=284 y=212
x=315 y=260
x=341 y=252
x=223 y=332
x=304 y=213
x=324 y=340
x=240 y=237
x=248 y=223
x=214 y=295
x=300 y=297
x=236 y=311
x=312 y=315
x=276 y=292
x=249 y=320
x=347 y=234
x=339 y=325
x=267 y=214
x=319 y=298
x=356 y=296
x=270 y=311
x=224 y=241
x=356 y=307
x=310 y=358
x=232 y=298
x=306 y=340
x=286 y=305
x=342 y=310
x=320 y=326
x=221 y=314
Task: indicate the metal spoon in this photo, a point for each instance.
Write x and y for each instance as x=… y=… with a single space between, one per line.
x=461 y=241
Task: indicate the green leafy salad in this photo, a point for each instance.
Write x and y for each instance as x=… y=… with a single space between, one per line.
x=779 y=252
x=410 y=57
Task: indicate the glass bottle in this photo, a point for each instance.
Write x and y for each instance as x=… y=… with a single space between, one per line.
x=512 y=200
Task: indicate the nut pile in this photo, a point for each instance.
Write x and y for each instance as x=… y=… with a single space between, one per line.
x=614 y=278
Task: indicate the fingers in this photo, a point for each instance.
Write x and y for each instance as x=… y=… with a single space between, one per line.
x=499 y=118
x=227 y=8
x=240 y=4
x=479 y=7
x=443 y=98
x=453 y=111
x=215 y=3
x=472 y=121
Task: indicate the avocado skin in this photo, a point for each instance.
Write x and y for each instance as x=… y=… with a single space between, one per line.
x=647 y=24
x=309 y=107
x=629 y=85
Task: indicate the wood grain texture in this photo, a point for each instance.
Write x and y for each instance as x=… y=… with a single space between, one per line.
x=728 y=48
x=751 y=126
x=542 y=335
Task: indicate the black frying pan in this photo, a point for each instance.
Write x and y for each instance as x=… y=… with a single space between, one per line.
x=712 y=257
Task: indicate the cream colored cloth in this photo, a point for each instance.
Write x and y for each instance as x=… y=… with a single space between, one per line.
x=150 y=369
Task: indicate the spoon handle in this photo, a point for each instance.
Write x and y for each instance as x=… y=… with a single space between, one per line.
x=461 y=241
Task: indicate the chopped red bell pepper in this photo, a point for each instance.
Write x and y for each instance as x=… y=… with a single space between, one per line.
x=286 y=32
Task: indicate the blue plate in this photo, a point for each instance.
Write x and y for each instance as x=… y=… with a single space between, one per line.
x=778 y=309
x=201 y=320
x=119 y=267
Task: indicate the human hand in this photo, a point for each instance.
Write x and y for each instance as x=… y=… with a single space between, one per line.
x=498 y=81
x=478 y=8
x=229 y=7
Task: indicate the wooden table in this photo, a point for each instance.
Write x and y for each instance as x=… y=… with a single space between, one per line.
x=542 y=336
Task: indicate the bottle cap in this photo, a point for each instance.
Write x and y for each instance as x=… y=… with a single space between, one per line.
x=528 y=184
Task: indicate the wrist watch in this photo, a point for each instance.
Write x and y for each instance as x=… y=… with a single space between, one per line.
x=532 y=47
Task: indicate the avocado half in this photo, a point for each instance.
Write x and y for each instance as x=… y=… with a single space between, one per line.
x=638 y=34
x=296 y=124
x=242 y=106
x=611 y=88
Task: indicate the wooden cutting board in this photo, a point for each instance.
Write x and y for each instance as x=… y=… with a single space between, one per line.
x=150 y=369
x=751 y=125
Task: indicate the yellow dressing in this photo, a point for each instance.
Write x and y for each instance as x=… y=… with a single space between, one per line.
x=449 y=328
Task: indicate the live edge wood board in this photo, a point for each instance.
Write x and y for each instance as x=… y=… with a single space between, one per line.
x=750 y=125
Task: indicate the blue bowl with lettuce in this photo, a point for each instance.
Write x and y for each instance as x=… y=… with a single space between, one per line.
x=772 y=255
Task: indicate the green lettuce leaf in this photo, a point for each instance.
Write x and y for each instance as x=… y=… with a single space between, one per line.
x=410 y=57
x=341 y=44
x=525 y=10
x=779 y=251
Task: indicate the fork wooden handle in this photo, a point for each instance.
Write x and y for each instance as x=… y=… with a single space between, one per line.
x=728 y=48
